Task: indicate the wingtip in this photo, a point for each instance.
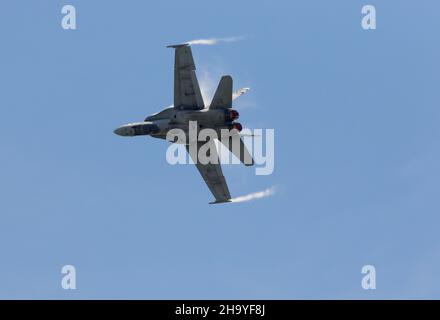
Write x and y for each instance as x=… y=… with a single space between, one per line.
x=220 y=201
x=174 y=46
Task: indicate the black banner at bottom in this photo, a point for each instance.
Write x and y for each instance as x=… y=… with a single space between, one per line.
x=220 y=309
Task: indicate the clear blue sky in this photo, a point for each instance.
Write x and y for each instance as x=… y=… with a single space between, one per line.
x=356 y=118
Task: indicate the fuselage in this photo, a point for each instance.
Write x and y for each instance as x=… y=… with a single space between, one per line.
x=159 y=124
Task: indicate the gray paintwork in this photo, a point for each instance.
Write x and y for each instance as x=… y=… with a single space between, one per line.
x=189 y=106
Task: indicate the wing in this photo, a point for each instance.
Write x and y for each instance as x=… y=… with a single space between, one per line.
x=187 y=93
x=212 y=174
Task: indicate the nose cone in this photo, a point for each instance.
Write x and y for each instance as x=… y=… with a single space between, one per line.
x=124 y=131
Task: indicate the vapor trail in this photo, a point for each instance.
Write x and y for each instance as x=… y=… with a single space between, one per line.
x=213 y=41
x=256 y=195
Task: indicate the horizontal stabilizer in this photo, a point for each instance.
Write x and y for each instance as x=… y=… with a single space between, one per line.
x=237 y=147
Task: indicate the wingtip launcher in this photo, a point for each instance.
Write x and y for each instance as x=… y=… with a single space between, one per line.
x=220 y=201
x=174 y=46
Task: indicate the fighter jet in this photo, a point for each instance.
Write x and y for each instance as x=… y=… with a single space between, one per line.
x=188 y=107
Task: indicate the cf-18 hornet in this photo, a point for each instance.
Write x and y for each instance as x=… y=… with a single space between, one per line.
x=188 y=108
